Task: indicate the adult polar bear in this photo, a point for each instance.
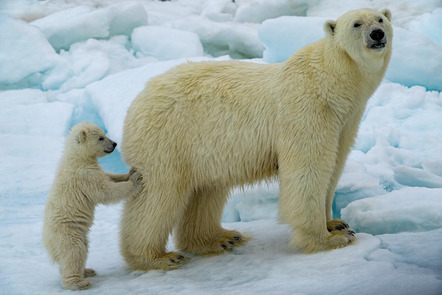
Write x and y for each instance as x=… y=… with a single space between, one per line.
x=200 y=129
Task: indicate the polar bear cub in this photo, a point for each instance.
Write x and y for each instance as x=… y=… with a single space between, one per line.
x=79 y=185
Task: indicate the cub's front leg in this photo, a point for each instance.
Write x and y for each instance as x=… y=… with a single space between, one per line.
x=112 y=192
x=121 y=177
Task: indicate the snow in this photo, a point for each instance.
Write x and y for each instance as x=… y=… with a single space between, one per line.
x=284 y=35
x=84 y=22
x=63 y=62
x=256 y=11
x=166 y=43
x=397 y=211
x=25 y=57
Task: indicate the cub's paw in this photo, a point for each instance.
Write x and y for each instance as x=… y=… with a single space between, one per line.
x=132 y=171
x=136 y=178
x=89 y=272
x=77 y=284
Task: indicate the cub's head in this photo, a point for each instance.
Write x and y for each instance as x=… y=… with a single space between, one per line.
x=364 y=34
x=89 y=140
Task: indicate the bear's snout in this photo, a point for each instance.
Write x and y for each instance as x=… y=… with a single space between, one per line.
x=110 y=147
x=377 y=35
x=377 y=39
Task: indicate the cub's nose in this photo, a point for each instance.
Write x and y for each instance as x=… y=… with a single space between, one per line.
x=114 y=144
x=377 y=35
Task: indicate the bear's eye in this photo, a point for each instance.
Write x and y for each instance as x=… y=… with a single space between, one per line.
x=101 y=138
x=381 y=20
x=356 y=25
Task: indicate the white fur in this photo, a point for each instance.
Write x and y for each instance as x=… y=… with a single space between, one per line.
x=79 y=185
x=200 y=129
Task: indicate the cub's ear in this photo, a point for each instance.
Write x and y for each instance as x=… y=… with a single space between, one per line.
x=81 y=136
x=387 y=13
x=329 y=27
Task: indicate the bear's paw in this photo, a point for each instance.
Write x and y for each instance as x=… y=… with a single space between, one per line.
x=76 y=284
x=169 y=261
x=89 y=272
x=337 y=225
x=223 y=241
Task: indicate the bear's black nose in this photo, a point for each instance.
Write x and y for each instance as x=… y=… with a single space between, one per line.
x=377 y=35
x=114 y=144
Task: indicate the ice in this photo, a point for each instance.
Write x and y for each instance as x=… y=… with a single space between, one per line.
x=66 y=27
x=388 y=264
x=285 y=35
x=256 y=11
x=389 y=191
x=219 y=10
x=408 y=71
x=32 y=114
x=23 y=60
x=429 y=24
x=401 y=126
x=166 y=43
x=416 y=177
x=60 y=28
x=33 y=129
x=224 y=38
x=408 y=209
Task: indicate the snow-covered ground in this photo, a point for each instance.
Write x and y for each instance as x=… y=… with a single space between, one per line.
x=62 y=62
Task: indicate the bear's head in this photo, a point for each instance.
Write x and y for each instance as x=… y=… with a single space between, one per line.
x=366 y=34
x=89 y=140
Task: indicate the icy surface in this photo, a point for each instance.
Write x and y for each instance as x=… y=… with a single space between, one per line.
x=396 y=212
x=166 y=43
x=83 y=22
x=26 y=58
x=63 y=62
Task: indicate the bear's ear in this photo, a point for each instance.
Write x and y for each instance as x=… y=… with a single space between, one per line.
x=387 y=13
x=329 y=27
x=81 y=136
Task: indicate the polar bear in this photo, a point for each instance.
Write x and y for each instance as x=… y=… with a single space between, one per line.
x=79 y=185
x=200 y=129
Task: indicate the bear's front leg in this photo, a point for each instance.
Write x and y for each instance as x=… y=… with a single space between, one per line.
x=302 y=202
x=305 y=171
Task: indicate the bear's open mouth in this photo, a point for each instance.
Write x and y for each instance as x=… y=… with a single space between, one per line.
x=109 y=151
x=377 y=45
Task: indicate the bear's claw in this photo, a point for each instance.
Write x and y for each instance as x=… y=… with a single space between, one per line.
x=179 y=259
x=337 y=225
x=230 y=241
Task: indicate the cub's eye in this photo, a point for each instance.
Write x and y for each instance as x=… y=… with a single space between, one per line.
x=356 y=25
x=381 y=20
x=101 y=138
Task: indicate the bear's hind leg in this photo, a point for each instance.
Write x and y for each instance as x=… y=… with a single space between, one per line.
x=147 y=222
x=72 y=266
x=200 y=231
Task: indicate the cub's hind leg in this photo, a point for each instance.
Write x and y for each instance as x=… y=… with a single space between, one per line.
x=200 y=230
